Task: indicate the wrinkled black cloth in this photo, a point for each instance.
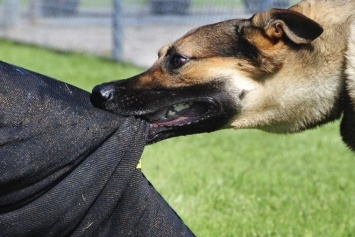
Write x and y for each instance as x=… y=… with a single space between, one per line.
x=69 y=169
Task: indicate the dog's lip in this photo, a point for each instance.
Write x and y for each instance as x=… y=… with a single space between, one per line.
x=180 y=115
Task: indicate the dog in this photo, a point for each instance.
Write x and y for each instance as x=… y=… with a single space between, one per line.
x=281 y=71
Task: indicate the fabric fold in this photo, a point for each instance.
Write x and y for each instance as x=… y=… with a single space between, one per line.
x=69 y=169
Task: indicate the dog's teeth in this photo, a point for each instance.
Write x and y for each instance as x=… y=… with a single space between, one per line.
x=182 y=106
x=174 y=110
x=171 y=113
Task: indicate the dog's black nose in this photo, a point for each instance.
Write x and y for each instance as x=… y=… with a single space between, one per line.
x=102 y=93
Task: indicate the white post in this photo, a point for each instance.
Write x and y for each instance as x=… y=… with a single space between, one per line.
x=117 y=31
x=11 y=11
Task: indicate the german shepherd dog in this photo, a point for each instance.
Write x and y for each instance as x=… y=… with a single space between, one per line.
x=281 y=71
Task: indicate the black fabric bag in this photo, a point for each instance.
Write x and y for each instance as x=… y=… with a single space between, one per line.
x=69 y=169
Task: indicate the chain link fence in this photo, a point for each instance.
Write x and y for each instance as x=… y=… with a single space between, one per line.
x=129 y=30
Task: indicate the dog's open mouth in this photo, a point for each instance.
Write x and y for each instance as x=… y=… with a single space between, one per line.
x=179 y=114
x=182 y=119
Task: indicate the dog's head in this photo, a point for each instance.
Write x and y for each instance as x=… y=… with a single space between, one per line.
x=217 y=76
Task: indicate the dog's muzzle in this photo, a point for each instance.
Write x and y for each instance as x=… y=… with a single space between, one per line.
x=170 y=111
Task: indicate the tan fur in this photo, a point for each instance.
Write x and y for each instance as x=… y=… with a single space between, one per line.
x=317 y=76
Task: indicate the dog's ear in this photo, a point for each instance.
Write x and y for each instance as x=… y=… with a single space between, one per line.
x=278 y=23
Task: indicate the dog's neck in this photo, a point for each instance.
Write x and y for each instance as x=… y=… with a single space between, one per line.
x=332 y=47
x=318 y=77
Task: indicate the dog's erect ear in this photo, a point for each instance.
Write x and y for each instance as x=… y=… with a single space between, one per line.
x=295 y=26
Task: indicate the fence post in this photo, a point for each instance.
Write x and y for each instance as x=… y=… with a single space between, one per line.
x=117 y=31
x=11 y=9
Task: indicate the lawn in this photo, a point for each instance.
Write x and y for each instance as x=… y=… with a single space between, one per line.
x=231 y=183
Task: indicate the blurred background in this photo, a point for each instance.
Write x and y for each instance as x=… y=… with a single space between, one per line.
x=227 y=183
x=124 y=30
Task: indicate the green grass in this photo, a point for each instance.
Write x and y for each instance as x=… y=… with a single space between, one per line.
x=232 y=183
x=249 y=183
x=83 y=71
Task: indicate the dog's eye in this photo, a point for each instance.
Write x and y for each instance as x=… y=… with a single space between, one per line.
x=177 y=61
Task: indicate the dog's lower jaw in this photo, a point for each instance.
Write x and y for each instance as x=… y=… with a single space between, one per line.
x=209 y=124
